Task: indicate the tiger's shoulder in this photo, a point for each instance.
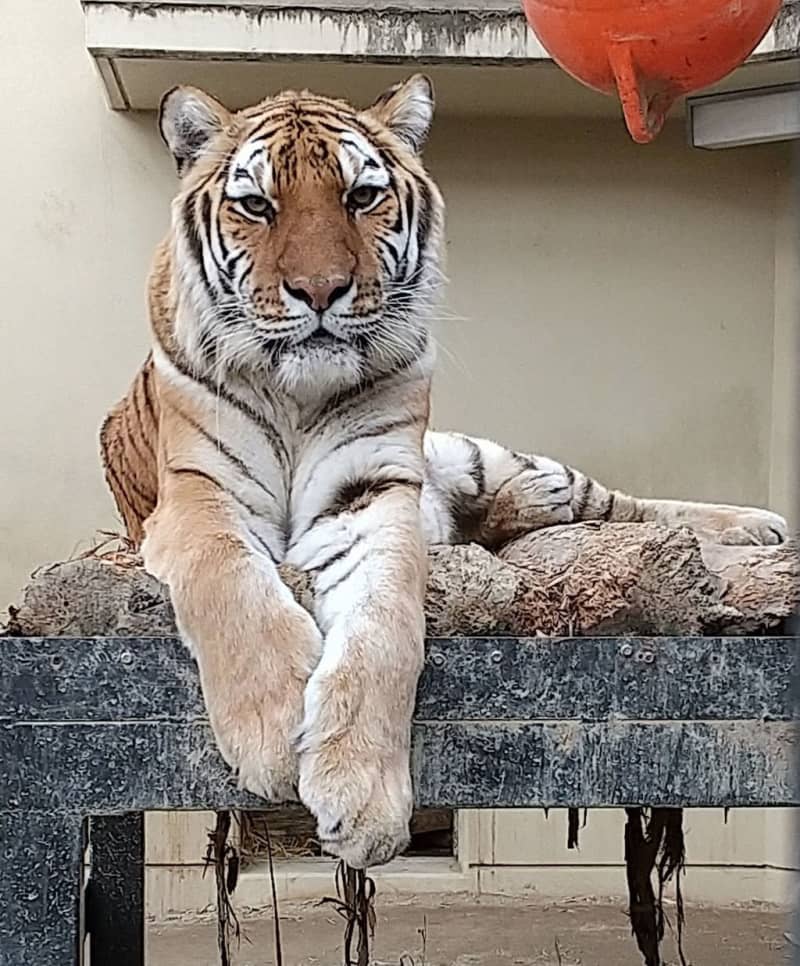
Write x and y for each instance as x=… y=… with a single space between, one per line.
x=129 y=448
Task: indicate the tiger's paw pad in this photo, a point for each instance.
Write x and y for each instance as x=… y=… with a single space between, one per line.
x=754 y=528
x=365 y=842
x=362 y=811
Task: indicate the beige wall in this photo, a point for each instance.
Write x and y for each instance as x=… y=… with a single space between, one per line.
x=86 y=194
x=619 y=302
x=628 y=309
x=786 y=346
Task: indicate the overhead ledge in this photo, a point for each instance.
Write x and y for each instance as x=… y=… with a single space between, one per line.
x=180 y=35
x=741 y=118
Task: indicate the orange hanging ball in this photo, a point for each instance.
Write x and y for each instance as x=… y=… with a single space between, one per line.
x=649 y=52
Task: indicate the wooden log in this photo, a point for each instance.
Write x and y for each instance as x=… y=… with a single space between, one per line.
x=587 y=579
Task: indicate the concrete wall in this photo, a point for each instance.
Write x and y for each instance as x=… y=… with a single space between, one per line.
x=786 y=343
x=630 y=310
x=87 y=196
x=618 y=302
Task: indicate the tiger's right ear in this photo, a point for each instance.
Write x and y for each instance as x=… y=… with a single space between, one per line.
x=188 y=119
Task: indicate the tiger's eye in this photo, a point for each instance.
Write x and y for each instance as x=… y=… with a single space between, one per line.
x=256 y=205
x=362 y=197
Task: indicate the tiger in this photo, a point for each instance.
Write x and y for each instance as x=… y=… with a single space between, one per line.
x=282 y=417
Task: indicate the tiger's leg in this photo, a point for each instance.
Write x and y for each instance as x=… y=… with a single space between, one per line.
x=369 y=564
x=254 y=645
x=476 y=490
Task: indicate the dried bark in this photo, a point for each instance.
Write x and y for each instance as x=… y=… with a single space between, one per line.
x=584 y=579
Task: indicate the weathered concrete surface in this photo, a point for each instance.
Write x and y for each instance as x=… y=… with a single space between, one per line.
x=182 y=33
x=483 y=932
x=107 y=726
x=421 y=31
x=40 y=887
x=785 y=33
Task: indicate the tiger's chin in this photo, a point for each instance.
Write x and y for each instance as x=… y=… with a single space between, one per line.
x=312 y=372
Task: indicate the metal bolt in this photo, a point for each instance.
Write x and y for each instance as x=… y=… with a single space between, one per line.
x=626 y=650
x=438 y=660
x=497 y=657
x=126 y=657
x=56 y=662
x=648 y=657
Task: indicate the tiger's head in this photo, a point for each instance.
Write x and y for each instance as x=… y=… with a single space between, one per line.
x=306 y=235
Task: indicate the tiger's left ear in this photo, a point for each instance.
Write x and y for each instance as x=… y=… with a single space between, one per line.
x=188 y=119
x=407 y=110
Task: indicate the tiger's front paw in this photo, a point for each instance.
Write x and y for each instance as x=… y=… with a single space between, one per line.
x=253 y=734
x=361 y=798
x=256 y=706
x=354 y=770
x=746 y=526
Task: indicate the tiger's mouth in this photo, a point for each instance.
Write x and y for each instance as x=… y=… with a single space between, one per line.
x=331 y=343
x=323 y=338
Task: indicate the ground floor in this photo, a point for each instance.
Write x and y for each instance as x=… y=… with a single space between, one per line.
x=452 y=930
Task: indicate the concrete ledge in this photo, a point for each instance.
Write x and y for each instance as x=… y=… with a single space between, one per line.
x=181 y=891
x=419 y=32
x=722 y=885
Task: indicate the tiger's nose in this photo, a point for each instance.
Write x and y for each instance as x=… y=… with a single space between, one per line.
x=319 y=291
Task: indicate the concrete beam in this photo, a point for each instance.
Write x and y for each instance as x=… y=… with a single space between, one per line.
x=739 y=118
x=430 y=31
x=419 y=32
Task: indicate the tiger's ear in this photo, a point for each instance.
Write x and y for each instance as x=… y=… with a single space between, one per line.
x=188 y=118
x=407 y=110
